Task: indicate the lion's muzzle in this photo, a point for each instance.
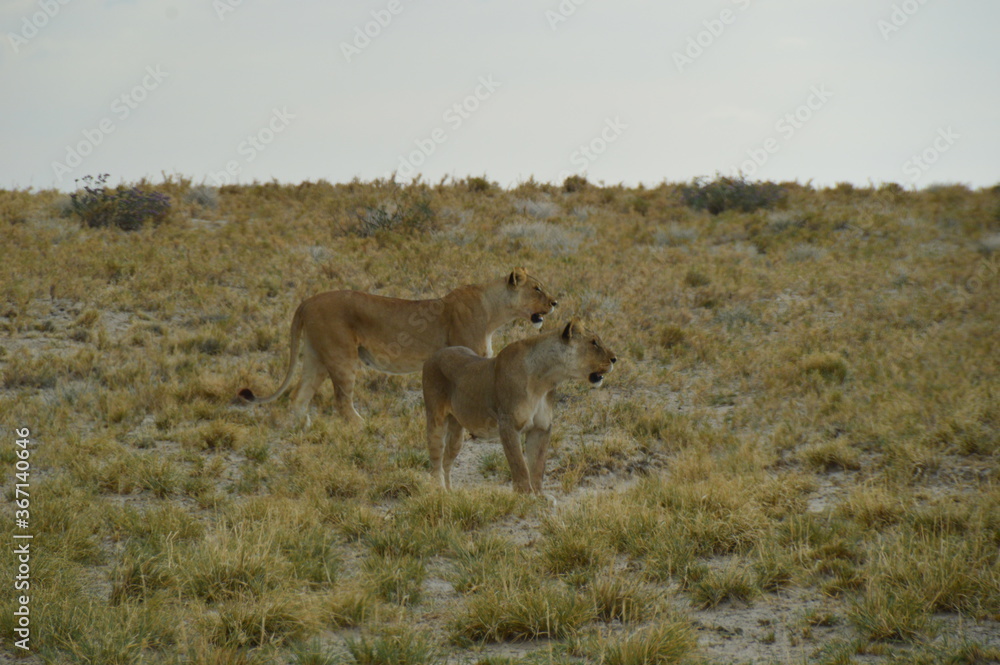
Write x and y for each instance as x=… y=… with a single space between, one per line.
x=538 y=318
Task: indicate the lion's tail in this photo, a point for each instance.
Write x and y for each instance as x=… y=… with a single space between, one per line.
x=293 y=356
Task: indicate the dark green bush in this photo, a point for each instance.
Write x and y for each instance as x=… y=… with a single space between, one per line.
x=411 y=213
x=575 y=183
x=724 y=193
x=478 y=184
x=124 y=207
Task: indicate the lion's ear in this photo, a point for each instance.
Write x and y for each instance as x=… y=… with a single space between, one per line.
x=573 y=329
x=517 y=277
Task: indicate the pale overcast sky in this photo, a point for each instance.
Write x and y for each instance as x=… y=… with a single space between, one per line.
x=629 y=91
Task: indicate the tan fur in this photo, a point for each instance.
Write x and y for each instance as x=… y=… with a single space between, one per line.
x=508 y=395
x=341 y=329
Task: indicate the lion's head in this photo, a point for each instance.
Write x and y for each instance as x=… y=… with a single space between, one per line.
x=593 y=360
x=529 y=296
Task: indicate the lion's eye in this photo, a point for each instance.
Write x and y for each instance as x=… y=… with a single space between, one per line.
x=596 y=345
x=538 y=288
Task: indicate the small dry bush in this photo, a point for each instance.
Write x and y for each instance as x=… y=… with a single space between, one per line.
x=395 y=645
x=482 y=560
x=622 y=599
x=829 y=366
x=570 y=551
x=396 y=578
x=234 y=563
x=350 y=606
x=515 y=614
x=831 y=455
x=731 y=583
x=889 y=615
x=545 y=236
x=717 y=516
x=257 y=621
x=467 y=509
x=664 y=642
x=84 y=630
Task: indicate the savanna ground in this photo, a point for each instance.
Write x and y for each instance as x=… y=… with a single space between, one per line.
x=795 y=460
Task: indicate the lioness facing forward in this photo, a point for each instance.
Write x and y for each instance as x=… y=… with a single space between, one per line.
x=395 y=336
x=509 y=394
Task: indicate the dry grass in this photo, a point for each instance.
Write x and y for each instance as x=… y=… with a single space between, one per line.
x=804 y=423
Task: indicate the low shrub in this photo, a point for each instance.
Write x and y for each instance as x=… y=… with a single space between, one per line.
x=723 y=193
x=412 y=213
x=575 y=183
x=126 y=208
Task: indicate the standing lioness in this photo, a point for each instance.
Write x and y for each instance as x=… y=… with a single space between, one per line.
x=396 y=336
x=509 y=394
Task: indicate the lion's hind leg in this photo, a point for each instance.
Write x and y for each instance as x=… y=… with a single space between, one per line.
x=339 y=356
x=452 y=446
x=309 y=383
x=343 y=396
x=436 y=433
x=436 y=389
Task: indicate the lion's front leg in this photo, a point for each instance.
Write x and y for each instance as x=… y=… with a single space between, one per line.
x=510 y=437
x=536 y=449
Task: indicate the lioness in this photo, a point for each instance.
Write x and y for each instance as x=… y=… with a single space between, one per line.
x=509 y=394
x=396 y=336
